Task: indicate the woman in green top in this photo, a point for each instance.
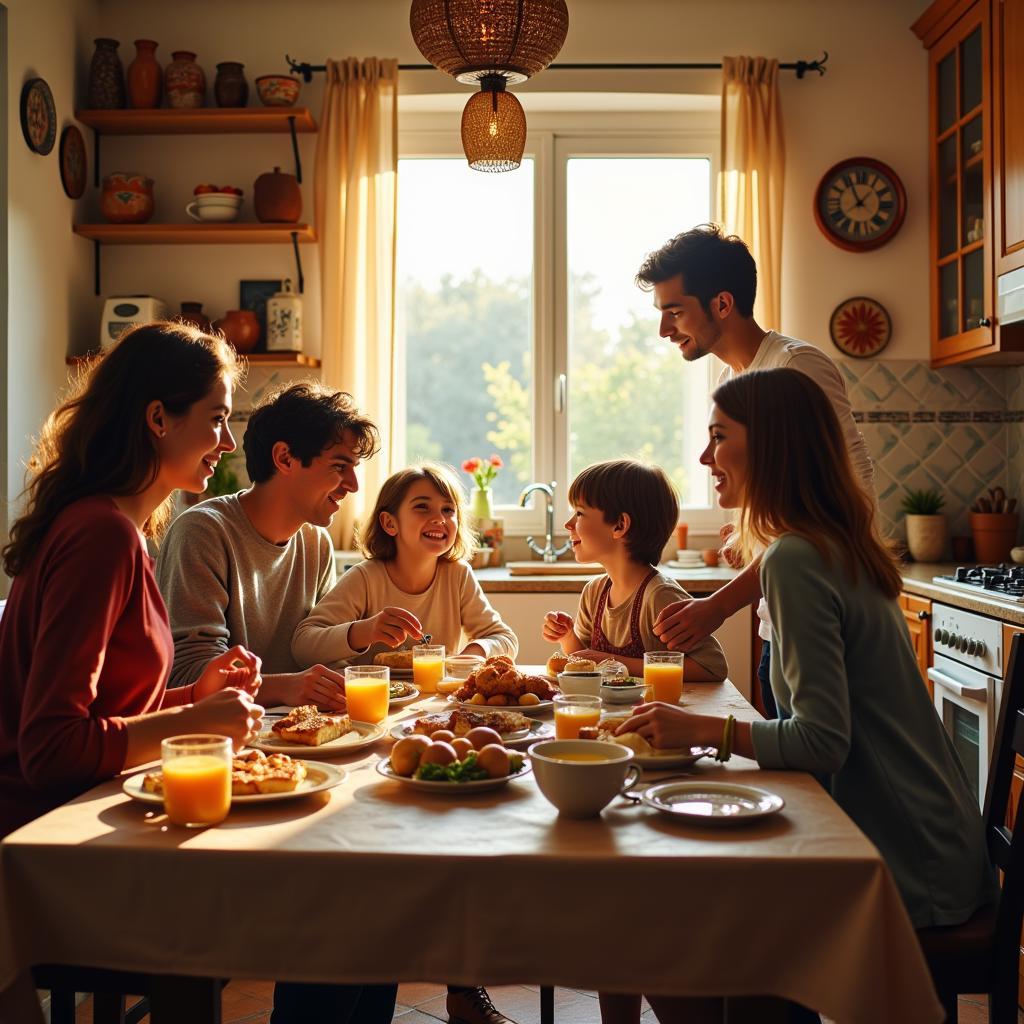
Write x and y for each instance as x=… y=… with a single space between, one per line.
x=842 y=663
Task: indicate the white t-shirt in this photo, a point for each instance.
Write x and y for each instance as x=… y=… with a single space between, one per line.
x=775 y=351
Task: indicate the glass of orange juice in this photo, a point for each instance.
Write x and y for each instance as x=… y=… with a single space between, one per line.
x=367 y=692
x=575 y=711
x=663 y=674
x=427 y=666
x=197 y=779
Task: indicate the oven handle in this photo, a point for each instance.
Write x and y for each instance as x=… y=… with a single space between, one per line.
x=949 y=683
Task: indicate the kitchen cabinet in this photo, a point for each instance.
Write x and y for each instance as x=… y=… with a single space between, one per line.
x=918 y=614
x=966 y=42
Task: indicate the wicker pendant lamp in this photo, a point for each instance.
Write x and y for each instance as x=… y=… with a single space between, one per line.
x=494 y=43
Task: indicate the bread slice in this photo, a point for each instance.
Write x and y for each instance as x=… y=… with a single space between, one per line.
x=394 y=659
x=251 y=772
x=308 y=725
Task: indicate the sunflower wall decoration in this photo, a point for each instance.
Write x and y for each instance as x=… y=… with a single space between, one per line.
x=860 y=327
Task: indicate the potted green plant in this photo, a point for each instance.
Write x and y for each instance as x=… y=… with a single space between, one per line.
x=994 y=522
x=926 y=525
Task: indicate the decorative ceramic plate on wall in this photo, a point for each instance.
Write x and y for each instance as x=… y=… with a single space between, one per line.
x=38 y=116
x=860 y=327
x=73 y=162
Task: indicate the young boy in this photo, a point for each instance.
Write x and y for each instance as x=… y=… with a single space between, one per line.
x=623 y=515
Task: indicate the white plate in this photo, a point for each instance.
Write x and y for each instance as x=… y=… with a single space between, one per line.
x=450 y=788
x=682 y=760
x=519 y=738
x=523 y=709
x=397 y=702
x=318 y=778
x=712 y=803
x=362 y=734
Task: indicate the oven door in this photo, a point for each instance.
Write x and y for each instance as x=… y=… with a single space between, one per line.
x=966 y=701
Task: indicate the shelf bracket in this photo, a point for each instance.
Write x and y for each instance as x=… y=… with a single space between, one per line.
x=298 y=263
x=96 y=267
x=295 y=149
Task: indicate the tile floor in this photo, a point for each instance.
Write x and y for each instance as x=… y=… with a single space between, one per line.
x=249 y=1002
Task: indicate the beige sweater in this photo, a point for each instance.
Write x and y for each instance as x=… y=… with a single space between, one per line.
x=453 y=610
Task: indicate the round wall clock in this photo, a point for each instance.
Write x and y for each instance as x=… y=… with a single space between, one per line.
x=38 y=116
x=860 y=327
x=73 y=162
x=860 y=204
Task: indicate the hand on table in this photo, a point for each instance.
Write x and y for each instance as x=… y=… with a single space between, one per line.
x=556 y=625
x=662 y=725
x=236 y=668
x=318 y=685
x=229 y=712
x=684 y=625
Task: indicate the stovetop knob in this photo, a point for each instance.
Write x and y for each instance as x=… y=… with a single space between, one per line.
x=972 y=646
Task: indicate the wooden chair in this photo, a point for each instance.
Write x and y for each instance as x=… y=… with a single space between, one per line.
x=982 y=954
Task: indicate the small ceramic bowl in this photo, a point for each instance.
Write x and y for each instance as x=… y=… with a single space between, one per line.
x=217 y=212
x=587 y=683
x=277 y=90
x=1017 y=554
x=623 y=694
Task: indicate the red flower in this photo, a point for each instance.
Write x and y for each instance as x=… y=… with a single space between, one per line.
x=471 y=465
x=495 y=461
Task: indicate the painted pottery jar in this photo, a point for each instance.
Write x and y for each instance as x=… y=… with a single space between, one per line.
x=277 y=198
x=145 y=76
x=240 y=329
x=192 y=313
x=127 y=198
x=230 y=89
x=277 y=90
x=284 y=320
x=184 y=81
x=106 y=77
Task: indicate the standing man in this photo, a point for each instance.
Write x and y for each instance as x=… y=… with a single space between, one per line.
x=247 y=568
x=704 y=284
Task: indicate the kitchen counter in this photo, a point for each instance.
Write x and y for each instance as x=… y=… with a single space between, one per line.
x=501 y=581
x=917 y=579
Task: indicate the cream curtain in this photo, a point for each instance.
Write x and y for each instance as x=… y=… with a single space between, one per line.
x=751 y=175
x=356 y=176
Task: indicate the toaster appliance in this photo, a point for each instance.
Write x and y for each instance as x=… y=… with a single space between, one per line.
x=123 y=311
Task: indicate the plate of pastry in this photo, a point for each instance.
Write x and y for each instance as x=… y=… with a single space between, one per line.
x=255 y=778
x=515 y=729
x=643 y=753
x=497 y=684
x=314 y=733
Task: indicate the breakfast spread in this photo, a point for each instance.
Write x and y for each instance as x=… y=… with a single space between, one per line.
x=498 y=683
x=311 y=727
x=479 y=756
x=605 y=730
x=251 y=772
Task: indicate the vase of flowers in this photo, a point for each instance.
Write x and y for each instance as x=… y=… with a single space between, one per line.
x=483 y=471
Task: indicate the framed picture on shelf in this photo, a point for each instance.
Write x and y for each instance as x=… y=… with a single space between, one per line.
x=253 y=295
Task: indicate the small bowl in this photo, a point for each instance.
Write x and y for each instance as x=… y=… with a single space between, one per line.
x=212 y=211
x=587 y=683
x=583 y=788
x=218 y=199
x=1017 y=554
x=277 y=90
x=623 y=694
x=481 y=558
x=462 y=666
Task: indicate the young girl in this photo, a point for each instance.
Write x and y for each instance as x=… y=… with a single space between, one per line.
x=777 y=453
x=623 y=515
x=85 y=646
x=414 y=581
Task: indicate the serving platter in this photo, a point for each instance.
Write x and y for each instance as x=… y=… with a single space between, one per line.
x=449 y=788
x=514 y=740
x=319 y=777
x=523 y=709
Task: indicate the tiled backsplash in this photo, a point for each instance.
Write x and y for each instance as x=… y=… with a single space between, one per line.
x=958 y=430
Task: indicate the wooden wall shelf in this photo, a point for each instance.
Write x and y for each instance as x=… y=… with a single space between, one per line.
x=196 y=234
x=204 y=121
x=254 y=359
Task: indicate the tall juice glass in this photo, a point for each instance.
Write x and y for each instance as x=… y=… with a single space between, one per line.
x=197 y=779
x=575 y=711
x=663 y=674
x=366 y=691
x=427 y=666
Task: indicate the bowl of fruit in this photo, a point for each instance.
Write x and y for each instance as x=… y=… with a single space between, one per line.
x=213 y=203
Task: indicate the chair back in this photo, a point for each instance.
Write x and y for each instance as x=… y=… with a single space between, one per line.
x=1005 y=842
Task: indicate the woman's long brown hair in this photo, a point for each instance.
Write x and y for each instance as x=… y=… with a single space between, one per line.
x=96 y=441
x=799 y=476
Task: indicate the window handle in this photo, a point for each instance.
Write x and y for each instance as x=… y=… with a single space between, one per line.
x=560 y=392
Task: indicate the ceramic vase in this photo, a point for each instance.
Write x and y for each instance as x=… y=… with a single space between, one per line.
x=926 y=537
x=481 y=503
x=106 y=77
x=184 y=81
x=145 y=76
x=230 y=89
x=994 y=534
x=240 y=329
x=276 y=198
x=284 y=320
x=127 y=198
x=192 y=313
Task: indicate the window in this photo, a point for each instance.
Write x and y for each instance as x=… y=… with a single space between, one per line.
x=518 y=322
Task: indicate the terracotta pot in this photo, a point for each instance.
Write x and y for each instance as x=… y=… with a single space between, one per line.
x=127 y=198
x=106 y=77
x=240 y=328
x=926 y=537
x=185 y=81
x=277 y=198
x=230 y=89
x=192 y=313
x=994 y=534
x=145 y=76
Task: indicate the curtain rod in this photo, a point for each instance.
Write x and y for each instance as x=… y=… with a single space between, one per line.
x=801 y=67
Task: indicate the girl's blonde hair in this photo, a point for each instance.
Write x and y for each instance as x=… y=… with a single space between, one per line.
x=799 y=475
x=375 y=542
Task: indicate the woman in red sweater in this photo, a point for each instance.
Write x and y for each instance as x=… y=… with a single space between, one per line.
x=85 y=646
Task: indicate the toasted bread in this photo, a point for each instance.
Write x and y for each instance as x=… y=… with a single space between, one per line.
x=251 y=772
x=461 y=722
x=310 y=727
x=394 y=659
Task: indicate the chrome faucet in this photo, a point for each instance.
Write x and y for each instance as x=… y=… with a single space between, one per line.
x=549 y=552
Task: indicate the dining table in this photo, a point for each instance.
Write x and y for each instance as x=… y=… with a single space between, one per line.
x=375 y=881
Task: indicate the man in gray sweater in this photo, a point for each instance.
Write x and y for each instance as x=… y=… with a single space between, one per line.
x=247 y=568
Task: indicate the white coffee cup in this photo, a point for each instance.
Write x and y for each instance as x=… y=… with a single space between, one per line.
x=588 y=683
x=582 y=788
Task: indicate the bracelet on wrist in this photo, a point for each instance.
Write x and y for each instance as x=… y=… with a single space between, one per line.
x=725 y=747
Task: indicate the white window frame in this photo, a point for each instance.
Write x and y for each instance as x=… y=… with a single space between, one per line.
x=552 y=139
